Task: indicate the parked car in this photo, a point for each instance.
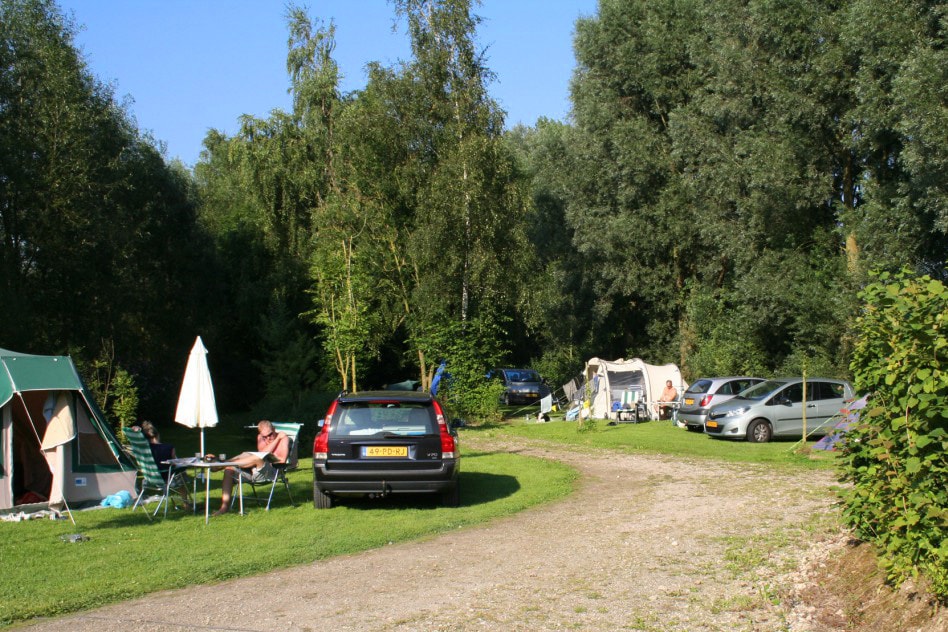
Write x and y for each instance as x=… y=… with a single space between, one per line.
x=521 y=386
x=378 y=443
x=405 y=385
x=705 y=393
x=774 y=408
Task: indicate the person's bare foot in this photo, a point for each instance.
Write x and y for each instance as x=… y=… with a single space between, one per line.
x=221 y=511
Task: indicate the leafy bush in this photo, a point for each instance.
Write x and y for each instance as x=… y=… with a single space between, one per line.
x=896 y=455
x=471 y=349
x=559 y=363
x=112 y=387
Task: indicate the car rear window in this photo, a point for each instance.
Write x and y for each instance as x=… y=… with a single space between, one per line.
x=736 y=386
x=701 y=386
x=367 y=419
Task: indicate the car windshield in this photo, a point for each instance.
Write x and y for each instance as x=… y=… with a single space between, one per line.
x=758 y=392
x=370 y=419
x=523 y=375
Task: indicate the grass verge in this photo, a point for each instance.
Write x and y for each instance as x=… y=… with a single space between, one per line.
x=127 y=556
x=661 y=437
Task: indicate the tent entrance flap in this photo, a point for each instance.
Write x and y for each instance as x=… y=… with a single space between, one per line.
x=622 y=381
x=32 y=478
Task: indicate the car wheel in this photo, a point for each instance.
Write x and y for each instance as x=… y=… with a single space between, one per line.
x=759 y=431
x=506 y=399
x=695 y=428
x=452 y=497
x=321 y=500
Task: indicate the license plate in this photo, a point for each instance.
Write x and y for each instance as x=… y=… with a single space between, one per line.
x=689 y=401
x=385 y=451
x=712 y=424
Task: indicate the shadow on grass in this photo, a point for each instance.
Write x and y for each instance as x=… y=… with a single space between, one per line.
x=117 y=519
x=476 y=488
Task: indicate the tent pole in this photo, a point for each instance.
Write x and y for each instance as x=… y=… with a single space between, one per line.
x=30 y=417
x=68 y=510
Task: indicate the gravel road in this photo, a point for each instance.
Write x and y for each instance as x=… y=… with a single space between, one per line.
x=646 y=543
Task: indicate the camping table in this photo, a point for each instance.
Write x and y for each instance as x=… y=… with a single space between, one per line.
x=674 y=405
x=201 y=464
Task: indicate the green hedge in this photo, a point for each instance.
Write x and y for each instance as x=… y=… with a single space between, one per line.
x=895 y=456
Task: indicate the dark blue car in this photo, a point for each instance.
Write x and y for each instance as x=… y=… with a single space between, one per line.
x=521 y=386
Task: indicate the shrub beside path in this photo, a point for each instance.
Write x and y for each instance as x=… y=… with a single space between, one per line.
x=646 y=543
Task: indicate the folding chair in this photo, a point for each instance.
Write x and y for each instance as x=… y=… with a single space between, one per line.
x=292 y=431
x=151 y=475
x=630 y=407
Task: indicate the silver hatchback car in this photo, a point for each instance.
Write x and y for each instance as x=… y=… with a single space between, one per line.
x=775 y=408
x=705 y=393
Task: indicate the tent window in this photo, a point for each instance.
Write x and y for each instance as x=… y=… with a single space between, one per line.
x=92 y=447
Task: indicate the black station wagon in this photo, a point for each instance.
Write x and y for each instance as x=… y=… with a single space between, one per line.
x=377 y=443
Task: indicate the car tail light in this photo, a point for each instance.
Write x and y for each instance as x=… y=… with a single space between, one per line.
x=705 y=401
x=321 y=443
x=448 y=445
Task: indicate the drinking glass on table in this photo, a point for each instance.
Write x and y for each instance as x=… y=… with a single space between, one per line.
x=222 y=457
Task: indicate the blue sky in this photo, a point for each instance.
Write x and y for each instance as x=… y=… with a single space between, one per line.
x=191 y=65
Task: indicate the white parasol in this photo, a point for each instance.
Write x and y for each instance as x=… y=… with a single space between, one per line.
x=196 y=406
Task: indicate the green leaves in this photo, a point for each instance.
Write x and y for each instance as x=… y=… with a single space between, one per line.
x=896 y=456
x=98 y=239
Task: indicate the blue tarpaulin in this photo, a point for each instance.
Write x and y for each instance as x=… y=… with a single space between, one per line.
x=439 y=374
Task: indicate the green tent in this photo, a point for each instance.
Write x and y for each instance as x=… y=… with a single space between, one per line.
x=55 y=446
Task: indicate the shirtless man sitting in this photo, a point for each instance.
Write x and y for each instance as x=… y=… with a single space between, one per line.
x=268 y=440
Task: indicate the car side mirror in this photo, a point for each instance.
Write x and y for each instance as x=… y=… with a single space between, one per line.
x=457 y=423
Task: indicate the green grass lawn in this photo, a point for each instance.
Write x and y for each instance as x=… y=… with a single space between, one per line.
x=126 y=556
x=661 y=437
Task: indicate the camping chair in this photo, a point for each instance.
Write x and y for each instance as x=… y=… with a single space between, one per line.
x=632 y=406
x=292 y=431
x=151 y=475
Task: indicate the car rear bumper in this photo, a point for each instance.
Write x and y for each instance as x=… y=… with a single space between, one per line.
x=693 y=417
x=376 y=481
x=521 y=397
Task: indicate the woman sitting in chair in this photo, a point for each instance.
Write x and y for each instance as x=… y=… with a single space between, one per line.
x=269 y=442
x=162 y=452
